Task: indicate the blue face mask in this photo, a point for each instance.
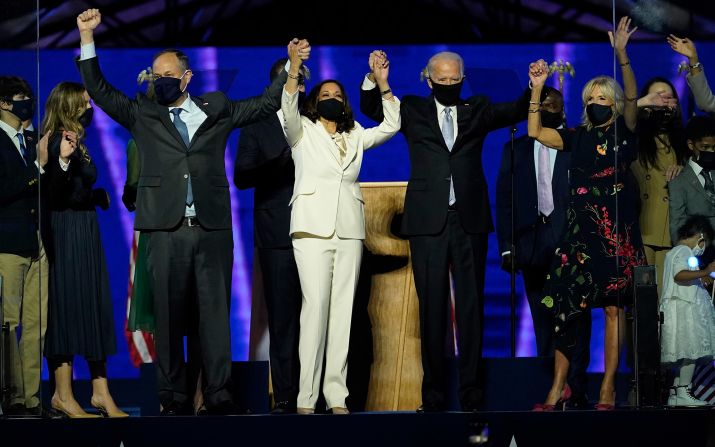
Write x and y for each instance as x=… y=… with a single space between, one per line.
x=168 y=89
x=698 y=250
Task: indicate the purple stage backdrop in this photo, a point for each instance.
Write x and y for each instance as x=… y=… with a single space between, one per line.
x=499 y=71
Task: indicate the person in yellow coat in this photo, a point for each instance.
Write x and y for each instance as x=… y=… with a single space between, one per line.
x=662 y=153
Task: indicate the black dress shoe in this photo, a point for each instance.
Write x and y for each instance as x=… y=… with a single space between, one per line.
x=283 y=407
x=175 y=408
x=225 y=408
x=15 y=410
x=578 y=403
x=430 y=408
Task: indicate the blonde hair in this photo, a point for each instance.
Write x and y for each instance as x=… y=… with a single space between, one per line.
x=610 y=89
x=63 y=108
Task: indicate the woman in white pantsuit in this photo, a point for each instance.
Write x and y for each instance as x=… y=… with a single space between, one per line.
x=327 y=221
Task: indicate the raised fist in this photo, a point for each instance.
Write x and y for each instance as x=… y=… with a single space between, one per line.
x=89 y=20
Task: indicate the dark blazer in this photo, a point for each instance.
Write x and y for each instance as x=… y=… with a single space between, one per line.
x=526 y=212
x=431 y=163
x=19 y=201
x=165 y=161
x=264 y=162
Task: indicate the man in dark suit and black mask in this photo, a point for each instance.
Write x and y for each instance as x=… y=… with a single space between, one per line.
x=183 y=204
x=447 y=215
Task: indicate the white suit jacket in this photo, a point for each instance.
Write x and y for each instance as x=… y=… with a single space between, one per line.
x=326 y=195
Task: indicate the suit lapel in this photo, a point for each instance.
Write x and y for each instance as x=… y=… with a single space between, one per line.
x=10 y=146
x=162 y=113
x=434 y=119
x=464 y=114
x=211 y=117
x=695 y=184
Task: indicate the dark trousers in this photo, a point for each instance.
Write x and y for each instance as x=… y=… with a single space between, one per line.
x=185 y=263
x=432 y=257
x=283 y=297
x=545 y=243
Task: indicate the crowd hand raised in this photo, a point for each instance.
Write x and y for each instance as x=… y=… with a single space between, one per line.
x=658 y=99
x=619 y=39
x=672 y=171
x=683 y=46
x=538 y=73
x=89 y=20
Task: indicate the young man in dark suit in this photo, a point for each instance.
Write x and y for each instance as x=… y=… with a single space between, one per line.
x=264 y=162
x=23 y=262
x=183 y=203
x=541 y=200
x=447 y=215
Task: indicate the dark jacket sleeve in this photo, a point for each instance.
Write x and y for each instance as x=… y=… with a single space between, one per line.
x=502 y=114
x=253 y=165
x=251 y=110
x=114 y=103
x=14 y=184
x=371 y=104
x=503 y=199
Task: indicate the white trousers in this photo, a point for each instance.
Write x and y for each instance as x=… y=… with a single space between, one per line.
x=328 y=270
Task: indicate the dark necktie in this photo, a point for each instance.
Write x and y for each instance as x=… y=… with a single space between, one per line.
x=709 y=187
x=23 y=149
x=184 y=132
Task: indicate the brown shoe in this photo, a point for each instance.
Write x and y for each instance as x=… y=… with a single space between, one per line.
x=340 y=410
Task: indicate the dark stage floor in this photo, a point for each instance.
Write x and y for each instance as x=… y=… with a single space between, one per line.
x=682 y=427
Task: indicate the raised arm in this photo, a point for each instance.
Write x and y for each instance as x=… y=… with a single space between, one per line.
x=115 y=103
x=390 y=124
x=538 y=73
x=696 y=78
x=370 y=98
x=289 y=102
x=619 y=40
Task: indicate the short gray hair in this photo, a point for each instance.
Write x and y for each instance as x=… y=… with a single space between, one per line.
x=446 y=55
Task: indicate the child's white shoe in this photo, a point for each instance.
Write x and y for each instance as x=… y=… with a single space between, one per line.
x=671 y=396
x=684 y=398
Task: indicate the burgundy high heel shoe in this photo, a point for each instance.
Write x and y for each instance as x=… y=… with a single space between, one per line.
x=605 y=407
x=560 y=404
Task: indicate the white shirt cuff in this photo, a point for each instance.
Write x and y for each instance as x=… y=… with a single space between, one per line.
x=506 y=253
x=87 y=51
x=64 y=166
x=367 y=84
x=42 y=171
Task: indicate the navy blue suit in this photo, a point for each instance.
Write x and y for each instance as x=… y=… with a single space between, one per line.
x=536 y=237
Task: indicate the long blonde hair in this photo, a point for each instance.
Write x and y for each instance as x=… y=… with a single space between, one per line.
x=610 y=89
x=63 y=108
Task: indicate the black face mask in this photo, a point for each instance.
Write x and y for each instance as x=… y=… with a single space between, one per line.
x=86 y=118
x=168 y=90
x=551 y=119
x=707 y=160
x=23 y=109
x=447 y=95
x=330 y=109
x=658 y=118
x=598 y=114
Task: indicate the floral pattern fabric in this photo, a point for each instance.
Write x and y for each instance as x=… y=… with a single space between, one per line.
x=593 y=265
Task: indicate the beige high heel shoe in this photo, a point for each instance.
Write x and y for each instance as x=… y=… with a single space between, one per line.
x=103 y=411
x=57 y=406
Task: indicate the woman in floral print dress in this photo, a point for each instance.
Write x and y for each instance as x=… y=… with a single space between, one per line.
x=594 y=263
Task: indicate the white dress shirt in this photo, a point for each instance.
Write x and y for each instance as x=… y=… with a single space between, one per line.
x=193 y=116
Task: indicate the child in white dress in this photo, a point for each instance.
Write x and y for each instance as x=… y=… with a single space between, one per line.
x=688 y=331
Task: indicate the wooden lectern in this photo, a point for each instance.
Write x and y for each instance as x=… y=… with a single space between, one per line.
x=396 y=372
